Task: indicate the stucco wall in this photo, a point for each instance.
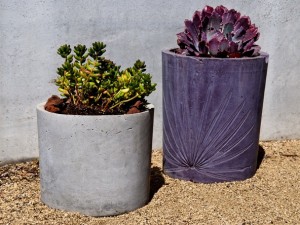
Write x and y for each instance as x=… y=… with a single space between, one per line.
x=32 y=30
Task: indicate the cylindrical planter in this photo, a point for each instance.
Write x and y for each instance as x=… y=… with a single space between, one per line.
x=211 y=116
x=95 y=165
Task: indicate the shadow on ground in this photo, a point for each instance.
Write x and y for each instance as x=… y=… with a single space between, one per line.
x=260 y=156
x=156 y=180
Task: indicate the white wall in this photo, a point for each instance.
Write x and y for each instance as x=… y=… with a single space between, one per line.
x=32 y=30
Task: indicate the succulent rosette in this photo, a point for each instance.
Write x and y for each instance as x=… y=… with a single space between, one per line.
x=218 y=32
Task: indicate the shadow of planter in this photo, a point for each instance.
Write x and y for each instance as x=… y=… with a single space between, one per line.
x=211 y=116
x=95 y=165
x=156 y=181
x=260 y=156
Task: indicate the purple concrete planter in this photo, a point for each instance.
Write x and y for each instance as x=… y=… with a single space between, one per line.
x=212 y=112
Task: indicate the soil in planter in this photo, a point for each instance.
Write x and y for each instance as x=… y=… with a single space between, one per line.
x=59 y=105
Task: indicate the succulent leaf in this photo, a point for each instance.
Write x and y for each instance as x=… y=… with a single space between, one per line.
x=227 y=30
x=191 y=33
x=230 y=16
x=207 y=11
x=64 y=50
x=215 y=21
x=220 y=10
x=218 y=32
x=197 y=19
x=251 y=34
x=224 y=45
x=213 y=46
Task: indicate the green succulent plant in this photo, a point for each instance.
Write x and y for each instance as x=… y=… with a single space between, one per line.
x=88 y=79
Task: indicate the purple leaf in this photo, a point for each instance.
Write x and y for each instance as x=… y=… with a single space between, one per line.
x=182 y=40
x=207 y=11
x=215 y=21
x=230 y=17
x=251 y=33
x=240 y=46
x=192 y=51
x=243 y=22
x=224 y=45
x=192 y=32
x=203 y=48
x=214 y=35
x=228 y=28
x=233 y=47
x=197 y=19
x=248 y=45
x=203 y=37
x=257 y=36
x=256 y=49
x=204 y=24
x=181 y=51
x=213 y=46
x=221 y=10
x=238 y=34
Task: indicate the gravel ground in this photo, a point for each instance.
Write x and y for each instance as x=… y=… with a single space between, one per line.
x=272 y=196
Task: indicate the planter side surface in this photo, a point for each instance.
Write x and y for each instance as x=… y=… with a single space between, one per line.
x=95 y=165
x=211 y=116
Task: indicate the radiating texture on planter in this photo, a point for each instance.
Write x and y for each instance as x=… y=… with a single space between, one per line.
x=96 y=165
x=211 y=116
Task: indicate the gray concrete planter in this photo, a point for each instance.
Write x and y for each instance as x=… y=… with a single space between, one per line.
x=95 y=165
x=212 y=114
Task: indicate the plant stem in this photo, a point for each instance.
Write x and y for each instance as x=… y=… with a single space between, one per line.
x=128 y=100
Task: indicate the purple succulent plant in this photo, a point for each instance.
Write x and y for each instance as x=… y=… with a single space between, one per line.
x=218 y=32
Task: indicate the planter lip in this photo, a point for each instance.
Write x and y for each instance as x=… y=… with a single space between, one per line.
x=264 y=55
x=40 y=107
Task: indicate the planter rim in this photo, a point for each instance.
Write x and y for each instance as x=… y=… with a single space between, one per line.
x=262 y=55
x=40 y=107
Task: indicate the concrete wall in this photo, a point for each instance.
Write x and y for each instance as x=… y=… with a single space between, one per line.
x=32 y=30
